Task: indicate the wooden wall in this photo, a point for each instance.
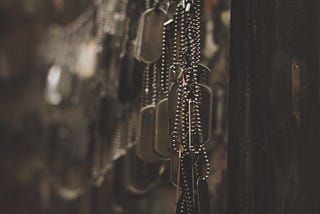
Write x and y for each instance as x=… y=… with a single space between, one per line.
x=274 y=130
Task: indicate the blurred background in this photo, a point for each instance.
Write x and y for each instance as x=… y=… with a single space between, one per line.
x=69 y=97
x=69 y=88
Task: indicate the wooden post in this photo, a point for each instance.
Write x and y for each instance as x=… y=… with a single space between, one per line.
x=274 y=132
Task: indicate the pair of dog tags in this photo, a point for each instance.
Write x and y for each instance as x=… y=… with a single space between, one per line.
x=146 y=134
x=202 y=203
x=134 y=176
x=161 y=144
x=206 y=118
x=198 y=194
x=153 y=132
x=141 y=176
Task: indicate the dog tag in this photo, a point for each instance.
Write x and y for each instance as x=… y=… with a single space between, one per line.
x=137 y=42
x=174 y=157
x=203 y=203
x=149 y=38
x=142 y=177
x=145 y=134
x=69 y=156
x=206 y=121
x=135 y=185
x=204 y=73
x=187 y=185
x=205 y=109
x=161 y=145
x=118 y=188
x=206 y=112
x=174 y=169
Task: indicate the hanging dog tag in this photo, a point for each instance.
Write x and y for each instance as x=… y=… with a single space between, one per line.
x=118 y=181
x=205 y=109
x=206 y=112
x=203 y=202
x=150 y=35
x=145 y=135
x=137 y=42
x=161 y=145
x=204 y=73
x=174 y=169
x=135 y=183
x=142 y=177
x=206 y=103
x=174 y=157
x=206 y=121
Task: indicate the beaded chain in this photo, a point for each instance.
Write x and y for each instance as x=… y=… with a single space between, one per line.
x=165 y=60
x=145 y=89
x=186 y=137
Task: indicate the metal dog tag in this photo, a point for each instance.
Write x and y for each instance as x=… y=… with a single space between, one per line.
x=161 y=143
x=118 y=182
x=150 y=35
x=145 y=134
x=204 y=73
x=206 y=112
x=142 y=177
x=205 y=109
x=174 y=157
x=135 y=185
x=203 y=202
x=137 y=42
x=174 y=169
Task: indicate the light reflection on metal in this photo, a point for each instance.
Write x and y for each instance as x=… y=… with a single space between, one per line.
x=52 y=94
